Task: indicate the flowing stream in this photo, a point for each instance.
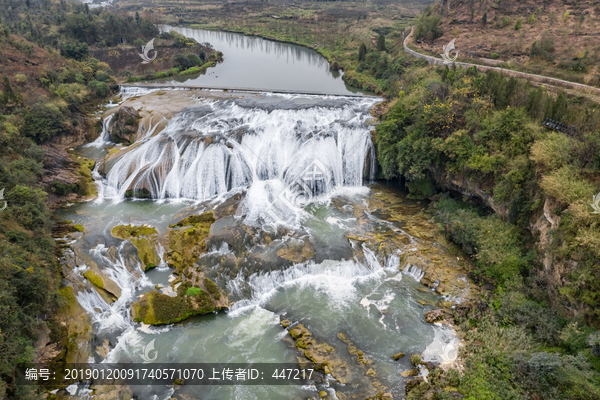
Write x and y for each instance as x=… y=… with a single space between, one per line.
x=257 y=148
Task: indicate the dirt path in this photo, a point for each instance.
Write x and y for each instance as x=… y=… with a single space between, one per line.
x=574 y=88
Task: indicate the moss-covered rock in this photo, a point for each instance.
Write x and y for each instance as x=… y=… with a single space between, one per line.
x=155 y=308
x=94 y=278
x=125 y=125
x=108 y=289
x=212 y=288
x=297 y=251
x=143 y=238
x=76 y=326
x=129 y=231
x=86 y=185
x=186 y=241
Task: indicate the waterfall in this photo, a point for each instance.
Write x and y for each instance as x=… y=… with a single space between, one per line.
x=104 y=137
x=273 y=142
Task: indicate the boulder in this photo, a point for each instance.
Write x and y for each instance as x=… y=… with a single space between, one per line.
x=434 y=315
x=125 y=125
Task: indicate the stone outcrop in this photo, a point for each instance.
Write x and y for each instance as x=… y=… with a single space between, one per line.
x=144 y=239
x=434 y=315
x=124 y=125
x=191 y=298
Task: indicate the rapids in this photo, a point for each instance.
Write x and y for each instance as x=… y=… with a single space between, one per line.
x=291 y=169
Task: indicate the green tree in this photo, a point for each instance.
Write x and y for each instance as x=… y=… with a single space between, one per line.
x=43 y=121
x=428 y=25
x=484 y=19
x=381 y=43
x=362 y=52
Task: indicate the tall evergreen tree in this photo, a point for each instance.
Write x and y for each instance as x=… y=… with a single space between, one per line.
x=381 y=43
x=362 y=52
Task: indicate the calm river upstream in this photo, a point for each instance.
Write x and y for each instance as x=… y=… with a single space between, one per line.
x=255 y=63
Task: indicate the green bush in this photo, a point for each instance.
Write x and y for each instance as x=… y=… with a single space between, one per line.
x=74 y=94
x=493 y=243
x=43 y=121
x=182 y=61
x=101 y=89
x=428 y=25
x=519 y=24
x=194 y=59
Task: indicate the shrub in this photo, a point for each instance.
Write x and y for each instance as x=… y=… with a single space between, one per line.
x=182 y=61
x=139 y=42
x=191 y=71
x=494 y=243
x=428 y=25
x=519 y=24
x=163 y=74
x=453 y=377
x=74 y=94
x=573 y=337
x=543 y=47
x=101 y=89
x=362 y=52
x=43 y=121
x=554 y=151
x=415 y=359
x=75 y=50
x=567 y=186
x=194 y=59
x=21 y=78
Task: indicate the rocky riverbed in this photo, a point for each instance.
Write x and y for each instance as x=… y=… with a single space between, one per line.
x=342 y=280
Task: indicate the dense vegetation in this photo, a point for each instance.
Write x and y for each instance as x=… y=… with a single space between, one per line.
x=515 y=199
x=73 y=27
x=512 y=195
x=48 y=84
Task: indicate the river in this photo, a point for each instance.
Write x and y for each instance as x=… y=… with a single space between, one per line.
x=255 y=63
x=340 y=254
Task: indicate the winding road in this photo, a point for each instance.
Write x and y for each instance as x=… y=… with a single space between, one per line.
x=516 y=74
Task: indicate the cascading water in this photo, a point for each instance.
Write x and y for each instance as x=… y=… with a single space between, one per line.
x=213 y=148
x=273 y=152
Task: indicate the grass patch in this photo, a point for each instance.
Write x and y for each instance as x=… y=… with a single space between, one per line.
x=193 y=291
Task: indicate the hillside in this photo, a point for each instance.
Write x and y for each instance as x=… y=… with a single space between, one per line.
x=558 y=39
